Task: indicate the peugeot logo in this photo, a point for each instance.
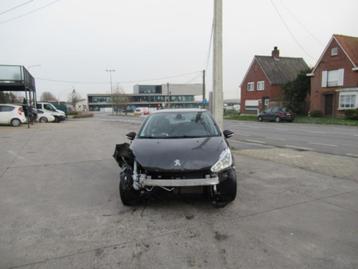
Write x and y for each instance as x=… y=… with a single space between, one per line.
x=177 y=163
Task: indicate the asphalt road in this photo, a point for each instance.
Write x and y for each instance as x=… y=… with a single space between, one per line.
x=337 y=140
x=330 y=139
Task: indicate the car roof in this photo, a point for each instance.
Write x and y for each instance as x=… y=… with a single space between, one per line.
x=8 y=105
x=179 y=110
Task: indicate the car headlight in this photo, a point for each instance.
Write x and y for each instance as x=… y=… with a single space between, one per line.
x=225 y=161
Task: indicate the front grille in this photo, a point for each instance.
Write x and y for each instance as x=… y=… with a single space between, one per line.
x=178 y=174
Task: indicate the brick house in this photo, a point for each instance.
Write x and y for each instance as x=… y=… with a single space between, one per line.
x=334 y=79
x=263 y=81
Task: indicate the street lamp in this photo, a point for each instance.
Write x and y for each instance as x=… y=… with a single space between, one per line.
x=110 y=71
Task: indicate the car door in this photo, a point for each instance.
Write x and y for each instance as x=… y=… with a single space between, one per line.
x=6 y=114
x=267 y=114
x=2 y=115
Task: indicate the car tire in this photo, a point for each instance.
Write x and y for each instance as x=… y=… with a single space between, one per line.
x=129 y=195
x=15 y=122
x=43 y=120
x=226 y=191
x=260 y=119
x=277 y=119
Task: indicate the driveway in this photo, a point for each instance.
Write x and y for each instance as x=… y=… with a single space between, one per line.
x=60 y=208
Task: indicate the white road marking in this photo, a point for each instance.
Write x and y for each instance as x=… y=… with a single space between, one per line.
x=298 y=148
x=352 y=155
x=314 y=132
x=15 y=155
x=323 y=144
x=290 y=155
x=248 y=143
x=255 y=141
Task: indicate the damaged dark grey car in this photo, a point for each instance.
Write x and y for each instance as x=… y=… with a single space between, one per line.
x=174 y=150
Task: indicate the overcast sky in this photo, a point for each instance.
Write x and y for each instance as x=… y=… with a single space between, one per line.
x=76 y=40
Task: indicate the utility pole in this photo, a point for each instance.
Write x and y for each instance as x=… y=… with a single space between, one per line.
x=110 y=71
x=218 y=102
x=204 y=87
x=168 y=96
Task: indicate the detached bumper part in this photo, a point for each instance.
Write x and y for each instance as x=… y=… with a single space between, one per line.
x=181 y=182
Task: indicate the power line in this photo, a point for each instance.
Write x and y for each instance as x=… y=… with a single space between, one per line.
x=29 y=12
x=289 y=30
x=124 y=82
x=302 y=24
x=16 y=7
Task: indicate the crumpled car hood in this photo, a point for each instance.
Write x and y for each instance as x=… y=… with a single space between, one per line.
x=188 y=154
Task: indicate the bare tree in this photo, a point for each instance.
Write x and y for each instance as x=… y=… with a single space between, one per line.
x=74 y=98
x=8 y=97
x=48 y=97
x=120 y=100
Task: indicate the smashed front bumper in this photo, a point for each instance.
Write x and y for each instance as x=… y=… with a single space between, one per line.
x=195 y=182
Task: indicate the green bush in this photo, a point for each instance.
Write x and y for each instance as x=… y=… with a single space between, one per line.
x=231 y=113
x=316 y=114
x=73 y=113
x=351 y=114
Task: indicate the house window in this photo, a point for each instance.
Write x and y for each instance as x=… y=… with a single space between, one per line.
x=333 y=78
x=347 y=100
x=334 y=51
x=261 y=85
x=251 y=86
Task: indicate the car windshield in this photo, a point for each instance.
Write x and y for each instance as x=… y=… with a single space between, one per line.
x=179 y=125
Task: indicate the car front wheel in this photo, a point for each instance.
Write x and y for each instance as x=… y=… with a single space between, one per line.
x=260 y=118
x=15 y=122
x=129 y=195
x=225 y=190
x=277 y=119
x=43 y=120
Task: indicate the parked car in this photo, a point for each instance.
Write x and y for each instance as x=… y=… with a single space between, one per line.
x=176 y=149
x=44 y=116
x=12 y=115
x=276 y=114
x=50 y=108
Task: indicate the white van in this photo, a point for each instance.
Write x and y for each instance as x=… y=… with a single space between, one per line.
x=50 y=108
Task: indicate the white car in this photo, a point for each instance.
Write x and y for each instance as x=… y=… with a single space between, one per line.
x=44 y=116
x=12 y=115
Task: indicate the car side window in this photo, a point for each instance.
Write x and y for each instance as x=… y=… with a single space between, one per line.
x=6 y=108
x=38 y=106
x=275 y=109
x=48 y=107
x=268 y=110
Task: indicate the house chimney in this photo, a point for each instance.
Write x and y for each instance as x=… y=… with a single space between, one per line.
x=276 y=53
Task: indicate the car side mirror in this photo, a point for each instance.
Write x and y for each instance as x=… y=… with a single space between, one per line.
x=228 y=133
x=131 y=135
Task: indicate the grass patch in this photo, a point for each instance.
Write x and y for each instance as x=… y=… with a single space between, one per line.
x=326 y=120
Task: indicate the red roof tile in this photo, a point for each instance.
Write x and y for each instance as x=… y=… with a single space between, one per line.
x=350 y=46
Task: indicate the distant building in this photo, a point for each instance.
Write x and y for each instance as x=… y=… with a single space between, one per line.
x=263 y=81
x=159 y=96
x=232 y=104
x=334 y=79
x=81 y=105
